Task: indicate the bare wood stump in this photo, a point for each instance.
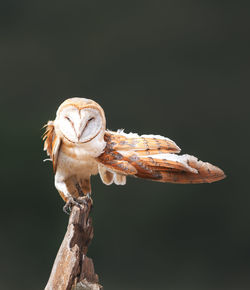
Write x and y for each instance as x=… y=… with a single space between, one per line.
x=72 y=269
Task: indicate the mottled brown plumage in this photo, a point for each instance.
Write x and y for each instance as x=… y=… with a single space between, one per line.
x=120 y=155
x=141 y=144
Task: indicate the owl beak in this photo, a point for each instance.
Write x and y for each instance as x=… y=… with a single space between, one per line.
x=79 y=130
x=80 y=125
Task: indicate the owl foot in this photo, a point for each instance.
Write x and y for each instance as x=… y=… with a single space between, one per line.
x=69 y=204
x=83 y=200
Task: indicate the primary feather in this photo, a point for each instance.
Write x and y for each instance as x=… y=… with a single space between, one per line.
x=154 y=158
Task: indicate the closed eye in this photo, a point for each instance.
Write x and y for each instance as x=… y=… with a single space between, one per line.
x=88 y=123
x=72 y=124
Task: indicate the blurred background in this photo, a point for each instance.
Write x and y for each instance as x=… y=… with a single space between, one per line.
x=176 y=68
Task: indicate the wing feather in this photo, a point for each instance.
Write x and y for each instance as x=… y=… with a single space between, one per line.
x=115 y=163
x=52 y=143
x=48 y=138
x=187 y=169
x=144 y=144
x=207 y=173
x=152 y=157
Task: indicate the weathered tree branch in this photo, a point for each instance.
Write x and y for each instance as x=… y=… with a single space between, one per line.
x=72 y=269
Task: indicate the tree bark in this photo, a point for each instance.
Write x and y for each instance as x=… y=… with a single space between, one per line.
x=72 y=269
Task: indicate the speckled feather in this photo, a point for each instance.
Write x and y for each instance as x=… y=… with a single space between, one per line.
x=146 y=157
x=141 y=144
x=51 y=143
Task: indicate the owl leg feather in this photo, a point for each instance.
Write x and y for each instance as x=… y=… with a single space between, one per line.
x=74 y=191
x=84 y=189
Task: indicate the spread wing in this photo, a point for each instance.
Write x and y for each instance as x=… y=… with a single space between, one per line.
x=51 y=143
x=153 y=157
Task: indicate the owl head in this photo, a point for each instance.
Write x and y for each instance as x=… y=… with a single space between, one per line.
x=80 y=120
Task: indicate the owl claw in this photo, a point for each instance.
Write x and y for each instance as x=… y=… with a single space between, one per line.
x=83 y=200
x=69 y=204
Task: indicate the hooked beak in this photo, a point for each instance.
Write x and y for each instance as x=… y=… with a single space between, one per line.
x=79 y=129
x=80 y=125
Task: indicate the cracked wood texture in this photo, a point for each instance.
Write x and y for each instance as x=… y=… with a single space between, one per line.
x=72 y=269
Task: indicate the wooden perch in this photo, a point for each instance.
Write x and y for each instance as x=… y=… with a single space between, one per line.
x=72 y=269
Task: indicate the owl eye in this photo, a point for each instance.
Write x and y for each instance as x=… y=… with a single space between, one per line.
x=91 y=119
x=87 y=124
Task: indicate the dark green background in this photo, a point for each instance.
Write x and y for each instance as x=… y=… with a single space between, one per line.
x=176 y=68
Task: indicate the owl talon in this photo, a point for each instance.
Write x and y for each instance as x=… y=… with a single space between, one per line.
x=84 y=200
x=69 y=204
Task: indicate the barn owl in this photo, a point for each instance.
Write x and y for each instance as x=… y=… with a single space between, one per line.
x=80 y=146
